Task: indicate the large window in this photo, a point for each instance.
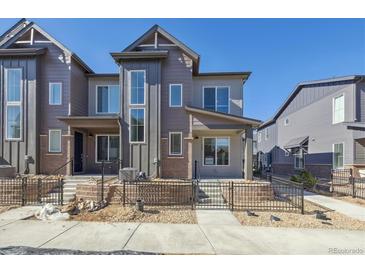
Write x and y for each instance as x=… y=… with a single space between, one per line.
x=175 y=143
x=54 y=140
x=338 y=156
x=107 y=99
x=136 y=122
x=339 y=109
x=175 y=95
x=216 y=151
x=137 y=87
x=13 y=97
x=216 y=99
x=107 y=147
x=55 y=93
x=298 y=158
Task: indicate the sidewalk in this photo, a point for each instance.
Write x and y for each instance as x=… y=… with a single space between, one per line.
x=351 y=210
x=177 y=238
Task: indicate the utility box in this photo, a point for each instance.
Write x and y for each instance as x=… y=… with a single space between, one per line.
x=128 y=174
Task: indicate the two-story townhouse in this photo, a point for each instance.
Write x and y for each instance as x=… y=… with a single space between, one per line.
x=320 y=127
x=158 y=115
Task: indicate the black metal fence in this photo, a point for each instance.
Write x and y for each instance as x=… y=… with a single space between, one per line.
x=344 y=183
x=31 y=191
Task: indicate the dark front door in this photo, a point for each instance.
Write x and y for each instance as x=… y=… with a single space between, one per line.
x=78 y=150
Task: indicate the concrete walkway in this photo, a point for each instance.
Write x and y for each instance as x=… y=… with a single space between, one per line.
x=177 y=238
x=351 y=210
x=215 y=217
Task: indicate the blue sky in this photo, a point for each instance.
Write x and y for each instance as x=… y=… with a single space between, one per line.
x=279 y=52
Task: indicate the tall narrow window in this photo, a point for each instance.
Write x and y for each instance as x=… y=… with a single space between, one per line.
x=54 y=140
x=107 y=99
x=13 y=89
x=216 y=99
x=136 y=132
x=137 y=87
x=175 y=143
x=339 y=109
x=216 y=151
x=107 y=148
x=175 y=95
x=298 y=158
x=338 y=156
x=55 y=93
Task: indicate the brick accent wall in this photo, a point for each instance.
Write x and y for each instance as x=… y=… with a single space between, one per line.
x=174 y=166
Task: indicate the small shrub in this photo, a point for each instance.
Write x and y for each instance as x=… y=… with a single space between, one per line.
x=305 y=177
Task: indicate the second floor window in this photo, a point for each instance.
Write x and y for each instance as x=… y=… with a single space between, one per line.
x=107 y=99
x=137 y=87
x=175 y=95
x=136 y=123
x=216 y=99
x=55 y=93
x=13 y=89
x=339 y=109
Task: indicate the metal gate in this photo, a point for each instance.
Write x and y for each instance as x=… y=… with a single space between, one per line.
x=213 y=195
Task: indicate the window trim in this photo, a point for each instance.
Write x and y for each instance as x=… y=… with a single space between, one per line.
x=144 y=127
x=215 y=105
x=334 y=108
x=49 y=93
x=286 y=121
x=229 y=151
x=266 y=134
x=49 y=140
x=96 y=146
x=96 y=99
x=181 y=96
x=181 y=143
x=259 y=137
x=17 y=104
x=299 y=168
x=343 y=155
x=130 y=87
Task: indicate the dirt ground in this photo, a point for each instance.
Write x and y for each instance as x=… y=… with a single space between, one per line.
x=6 y=208
x=349 y=199
x=308 y=220
x=118 y=213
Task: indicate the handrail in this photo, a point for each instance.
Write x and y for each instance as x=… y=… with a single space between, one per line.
x=62 y=166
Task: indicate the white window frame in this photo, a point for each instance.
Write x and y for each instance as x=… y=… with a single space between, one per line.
x=16 y=104
x=259 y=137
x=96 y=146
x=294 y=157
x=50 y=94
x=130 y=87
x=216 y=88
x=181 y=143
x=181 y=96
x=96 y=99
x=286 y=121
x=334 y=108
x=266 y=133
x=49 y=140
x=343 y=156
x=144 y=127
x=229 y=151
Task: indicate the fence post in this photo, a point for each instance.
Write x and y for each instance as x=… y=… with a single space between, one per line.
x=270 y=178
x=123 y=193
x=232 y=195
x=60 y=180
x=192 y=195
x=352 y=181
x=39 y=190
x=102 y=180
x=72 y=167
x=302 y=198
x=195 y=169
x=24 y=190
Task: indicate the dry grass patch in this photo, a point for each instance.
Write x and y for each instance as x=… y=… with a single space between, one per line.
x=6 y=208
x=308 y=220
x=151 y=214
x=349 y=199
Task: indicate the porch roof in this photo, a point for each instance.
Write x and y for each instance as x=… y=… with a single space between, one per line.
x=89 y=122
x=297 y=142
x=238 y=120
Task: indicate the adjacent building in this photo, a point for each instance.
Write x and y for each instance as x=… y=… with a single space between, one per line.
x=157 y=114
x=320 y=127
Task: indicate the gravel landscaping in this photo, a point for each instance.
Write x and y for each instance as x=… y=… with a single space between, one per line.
x=349 y=199
x=308 y=220
x=151 y=214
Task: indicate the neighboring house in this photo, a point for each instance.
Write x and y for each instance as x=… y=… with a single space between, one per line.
x=159 y=114
x=320 y=127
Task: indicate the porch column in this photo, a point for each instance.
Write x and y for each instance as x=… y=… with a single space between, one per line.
x=248 y=154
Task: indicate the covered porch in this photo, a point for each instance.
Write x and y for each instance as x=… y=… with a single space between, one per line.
x=95 y=139
x=222 y=144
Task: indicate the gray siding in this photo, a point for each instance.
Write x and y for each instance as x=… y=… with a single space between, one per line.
x=79 y=91
x=13 y=152
x=266 y=145
x=360 y=106
x=93 y=83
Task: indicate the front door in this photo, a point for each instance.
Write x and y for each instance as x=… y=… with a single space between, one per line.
x=78 y=150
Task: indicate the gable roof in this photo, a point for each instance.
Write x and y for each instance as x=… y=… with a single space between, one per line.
x=23 y=26
x=298 y=88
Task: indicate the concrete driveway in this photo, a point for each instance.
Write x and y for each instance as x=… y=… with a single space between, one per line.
x=177 y=238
